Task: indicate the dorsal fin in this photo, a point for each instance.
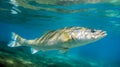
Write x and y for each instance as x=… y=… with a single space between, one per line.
x=41 y=37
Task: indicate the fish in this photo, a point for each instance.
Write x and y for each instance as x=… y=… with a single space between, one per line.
x=62 y=39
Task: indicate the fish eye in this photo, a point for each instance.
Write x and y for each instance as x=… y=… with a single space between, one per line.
x=92 y=30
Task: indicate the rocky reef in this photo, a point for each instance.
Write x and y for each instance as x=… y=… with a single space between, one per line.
x=22 y=57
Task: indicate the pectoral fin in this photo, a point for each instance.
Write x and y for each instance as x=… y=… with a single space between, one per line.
x=66 y=38
x=64 y=50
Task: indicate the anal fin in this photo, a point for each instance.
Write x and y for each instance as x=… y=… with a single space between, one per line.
x=33 y=51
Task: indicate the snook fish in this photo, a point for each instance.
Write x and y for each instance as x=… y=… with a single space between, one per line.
x=61 y=39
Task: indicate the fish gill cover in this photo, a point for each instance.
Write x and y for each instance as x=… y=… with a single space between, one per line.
x=32 y=18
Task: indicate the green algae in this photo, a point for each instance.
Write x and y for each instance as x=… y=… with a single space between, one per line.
x=10 y=57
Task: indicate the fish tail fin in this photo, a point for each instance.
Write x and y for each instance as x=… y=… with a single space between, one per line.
x=16 y=40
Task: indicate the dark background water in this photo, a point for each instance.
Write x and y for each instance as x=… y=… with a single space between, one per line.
x=31 y=19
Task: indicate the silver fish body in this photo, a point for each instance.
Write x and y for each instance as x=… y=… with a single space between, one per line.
x=61 y=39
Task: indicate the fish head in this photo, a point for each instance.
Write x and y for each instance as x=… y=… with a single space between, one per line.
x=84 y=36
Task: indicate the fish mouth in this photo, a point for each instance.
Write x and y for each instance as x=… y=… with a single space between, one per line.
x=103 y=33
x=100 y=34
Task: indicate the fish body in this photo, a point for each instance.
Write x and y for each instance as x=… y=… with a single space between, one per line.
x=61 y=39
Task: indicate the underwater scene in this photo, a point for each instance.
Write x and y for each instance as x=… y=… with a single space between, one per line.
x=59 y=33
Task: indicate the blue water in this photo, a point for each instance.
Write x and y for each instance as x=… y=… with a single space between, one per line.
x=31 y=22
